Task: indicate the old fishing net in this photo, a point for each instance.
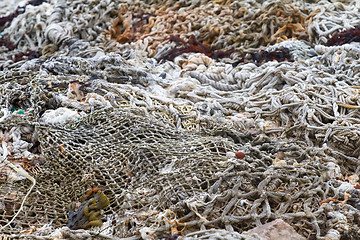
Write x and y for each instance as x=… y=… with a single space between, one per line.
x=136 y=123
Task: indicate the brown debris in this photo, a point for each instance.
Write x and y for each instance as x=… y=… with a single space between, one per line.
x=231 y=26
x=194 y=46
x=89 y=212
x=130 y=28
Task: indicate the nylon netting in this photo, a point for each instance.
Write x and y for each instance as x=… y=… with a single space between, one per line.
x=159 y=138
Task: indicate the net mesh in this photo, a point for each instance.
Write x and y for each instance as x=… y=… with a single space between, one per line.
x=162 y=141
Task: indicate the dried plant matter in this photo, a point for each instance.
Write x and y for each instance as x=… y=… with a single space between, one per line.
x=89 y=212
x=280 y=55
x=191 y=46
x=347 y=36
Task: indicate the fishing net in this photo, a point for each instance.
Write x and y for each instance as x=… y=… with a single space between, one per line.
x=102 y=137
